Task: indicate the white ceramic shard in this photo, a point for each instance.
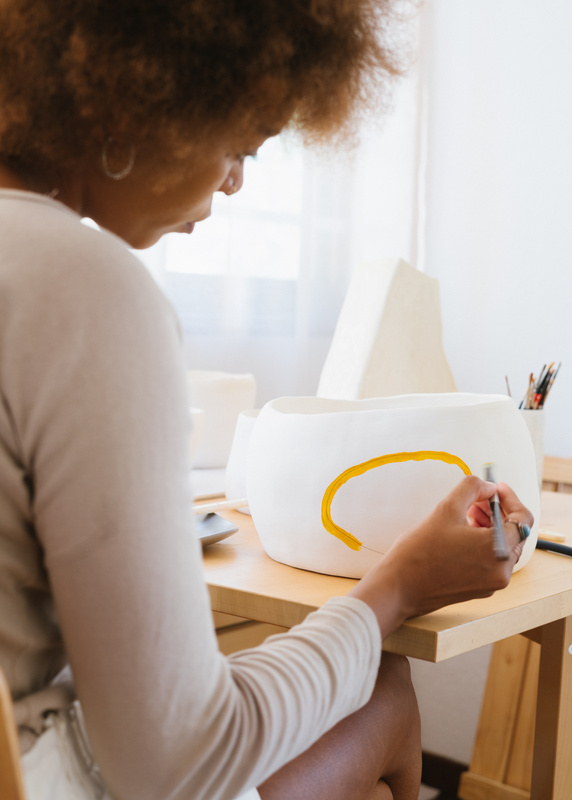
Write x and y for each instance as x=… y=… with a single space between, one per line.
x=222 y=396
x=332 y=483
x=388 y=336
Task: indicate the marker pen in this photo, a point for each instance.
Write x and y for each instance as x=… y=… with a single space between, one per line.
x=499 y=539
x=554 y=547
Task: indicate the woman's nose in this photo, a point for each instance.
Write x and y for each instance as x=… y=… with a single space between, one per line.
x=234 y=180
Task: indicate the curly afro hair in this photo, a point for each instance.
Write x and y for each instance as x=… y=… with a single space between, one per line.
x=161 y=73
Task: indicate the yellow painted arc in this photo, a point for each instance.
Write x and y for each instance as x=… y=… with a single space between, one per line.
x=359 y=469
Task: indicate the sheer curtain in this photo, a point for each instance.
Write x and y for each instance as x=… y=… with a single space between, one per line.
x=258 y=287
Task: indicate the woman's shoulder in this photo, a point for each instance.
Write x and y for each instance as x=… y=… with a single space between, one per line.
x=45 y=246
x=40 y=229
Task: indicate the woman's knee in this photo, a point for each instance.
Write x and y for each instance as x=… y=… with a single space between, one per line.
x=396 y=665
x=394 y=679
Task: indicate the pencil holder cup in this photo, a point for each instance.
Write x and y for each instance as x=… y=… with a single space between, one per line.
x=534 y=421
x=332 y=483
x=222 y=396
x=235 y=475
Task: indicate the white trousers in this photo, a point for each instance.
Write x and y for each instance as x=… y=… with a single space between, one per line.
x=59 y=766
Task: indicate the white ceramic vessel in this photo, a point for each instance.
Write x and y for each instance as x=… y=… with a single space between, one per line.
x=332 y=483
x=222 y=396
x=235 y=474
x=197 y=421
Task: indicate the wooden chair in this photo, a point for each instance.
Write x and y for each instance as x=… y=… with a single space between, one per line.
x=501 y=764
x=11 y=782
x=557 y=474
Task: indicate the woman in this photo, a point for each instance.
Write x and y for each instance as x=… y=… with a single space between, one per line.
x=134 y=113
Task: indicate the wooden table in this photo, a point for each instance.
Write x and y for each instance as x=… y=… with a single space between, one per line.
x=245 y=582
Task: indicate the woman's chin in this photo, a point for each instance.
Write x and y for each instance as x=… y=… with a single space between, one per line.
x=144 y=239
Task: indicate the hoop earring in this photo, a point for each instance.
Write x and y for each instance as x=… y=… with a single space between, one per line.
x=122 y=173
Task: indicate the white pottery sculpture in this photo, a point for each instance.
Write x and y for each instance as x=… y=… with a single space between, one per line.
x=235 y=475
x=388 y=336
x=332 y=483
x=222 y=396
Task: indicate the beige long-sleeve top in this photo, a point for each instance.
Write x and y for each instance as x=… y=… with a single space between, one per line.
x=98 y=561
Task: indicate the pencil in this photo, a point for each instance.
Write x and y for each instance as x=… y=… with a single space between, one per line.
x=551 y=536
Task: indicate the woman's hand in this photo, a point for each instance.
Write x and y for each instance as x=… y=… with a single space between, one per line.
x=478 y=514
x=447 y=558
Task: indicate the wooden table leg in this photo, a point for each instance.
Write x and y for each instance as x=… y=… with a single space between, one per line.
x=552 y=763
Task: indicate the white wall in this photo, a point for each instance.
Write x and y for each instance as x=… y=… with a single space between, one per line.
x=499 y=200
x=498 y=236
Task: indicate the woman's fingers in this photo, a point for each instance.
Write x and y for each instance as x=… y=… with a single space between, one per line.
x=514 y=545
x=478 y=516
x=469 y=492
x=514 y=510
x=511 y=505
